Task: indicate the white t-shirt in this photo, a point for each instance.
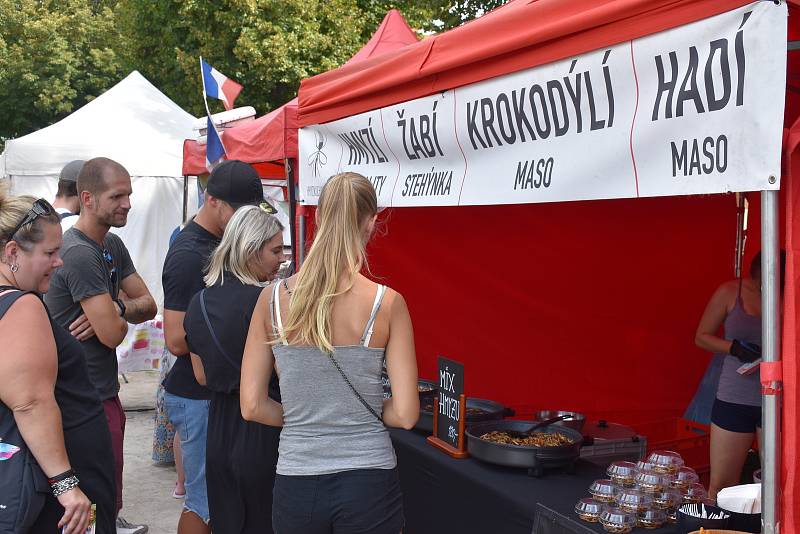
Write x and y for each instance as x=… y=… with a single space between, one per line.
x=66 y=222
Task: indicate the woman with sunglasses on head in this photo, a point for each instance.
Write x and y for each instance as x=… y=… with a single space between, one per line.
x=240 y=455
x=44 y=382
x=326 y=332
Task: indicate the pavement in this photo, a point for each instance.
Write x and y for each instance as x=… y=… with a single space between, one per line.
x=147 y=488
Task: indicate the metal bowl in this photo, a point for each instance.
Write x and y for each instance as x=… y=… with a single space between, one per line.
x=576 y=422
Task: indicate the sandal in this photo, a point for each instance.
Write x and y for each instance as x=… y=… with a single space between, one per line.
x=177 y=495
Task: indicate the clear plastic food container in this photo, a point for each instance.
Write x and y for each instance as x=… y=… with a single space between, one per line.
x=616 y=520
x=667 y=499
x=603 y=490
x=694 y=493
x=622 y=473
x=684 y=477
x=589 y=510
x=651 y=518
x=652 y=481
x=665 y=461
x=633 y=500
x=644 y=465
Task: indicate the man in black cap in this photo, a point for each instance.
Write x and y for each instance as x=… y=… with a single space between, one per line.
x=67 y=202
x=232 y=184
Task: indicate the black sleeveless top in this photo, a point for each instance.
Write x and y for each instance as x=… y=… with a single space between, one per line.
x=75 y=395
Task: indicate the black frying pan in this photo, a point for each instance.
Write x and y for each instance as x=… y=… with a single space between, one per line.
x=477 y=410
x=518 y=455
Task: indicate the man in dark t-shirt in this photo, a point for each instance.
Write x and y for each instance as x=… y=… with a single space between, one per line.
x=97 y=292
x=231 y=185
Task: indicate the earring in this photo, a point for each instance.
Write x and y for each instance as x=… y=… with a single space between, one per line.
x=14 y=267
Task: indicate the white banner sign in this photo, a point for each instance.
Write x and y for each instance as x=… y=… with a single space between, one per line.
x=694 y=110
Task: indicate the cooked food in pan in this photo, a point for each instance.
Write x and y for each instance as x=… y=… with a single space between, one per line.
x=537 y=439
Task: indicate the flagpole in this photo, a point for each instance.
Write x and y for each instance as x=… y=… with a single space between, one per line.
x=208 y=111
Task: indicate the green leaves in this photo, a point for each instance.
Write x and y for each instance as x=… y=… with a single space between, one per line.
x=56 y=55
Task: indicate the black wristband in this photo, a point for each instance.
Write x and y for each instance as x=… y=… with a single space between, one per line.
x=122 y=307
x=63 y=476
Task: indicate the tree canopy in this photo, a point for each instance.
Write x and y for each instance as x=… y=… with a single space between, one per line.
x=56 y=55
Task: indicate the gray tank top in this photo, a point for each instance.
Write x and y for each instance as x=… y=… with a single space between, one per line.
x=326 y=429
x=733 y=387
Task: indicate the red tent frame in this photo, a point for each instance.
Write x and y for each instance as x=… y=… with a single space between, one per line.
x=459 y=243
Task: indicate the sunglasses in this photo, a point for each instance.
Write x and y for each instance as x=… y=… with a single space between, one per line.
x=109 y=259
x=40 y=208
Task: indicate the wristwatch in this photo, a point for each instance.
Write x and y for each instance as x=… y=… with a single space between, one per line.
x=121 y=305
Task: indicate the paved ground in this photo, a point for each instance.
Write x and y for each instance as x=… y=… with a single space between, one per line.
x=147 y=495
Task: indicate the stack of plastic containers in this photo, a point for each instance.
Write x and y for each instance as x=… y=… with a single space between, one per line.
x=644 y=494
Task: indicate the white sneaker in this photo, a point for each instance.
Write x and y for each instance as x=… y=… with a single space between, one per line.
x=123 y=527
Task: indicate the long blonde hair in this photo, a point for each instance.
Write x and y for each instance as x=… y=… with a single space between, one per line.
x=346 y=203
x=246 y=233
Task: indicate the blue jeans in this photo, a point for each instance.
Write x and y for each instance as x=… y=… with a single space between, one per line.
x=190 y=418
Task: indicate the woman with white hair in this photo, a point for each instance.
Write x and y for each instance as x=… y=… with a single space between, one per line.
x=240 y=456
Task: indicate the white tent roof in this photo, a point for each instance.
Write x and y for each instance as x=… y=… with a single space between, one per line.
x=132 y=123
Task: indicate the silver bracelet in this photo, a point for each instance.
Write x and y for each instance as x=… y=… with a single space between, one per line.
x=63 y=486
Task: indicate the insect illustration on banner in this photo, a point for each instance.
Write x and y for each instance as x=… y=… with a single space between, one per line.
x=318 y=158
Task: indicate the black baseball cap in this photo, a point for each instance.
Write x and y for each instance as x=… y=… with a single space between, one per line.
x=71 y=170
x=237 y=183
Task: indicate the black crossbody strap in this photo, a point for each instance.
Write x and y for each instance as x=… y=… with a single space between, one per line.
x=353 y=389
x=211 y=330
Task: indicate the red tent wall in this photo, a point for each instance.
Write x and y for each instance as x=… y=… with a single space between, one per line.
x=791 y=370
x=587 y=306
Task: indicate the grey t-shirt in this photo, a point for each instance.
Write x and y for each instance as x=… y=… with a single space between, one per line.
x=88 y=271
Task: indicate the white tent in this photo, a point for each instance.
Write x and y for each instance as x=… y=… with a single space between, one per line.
x=138 y=126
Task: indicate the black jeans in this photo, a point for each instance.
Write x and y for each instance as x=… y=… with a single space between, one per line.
x=350 y=502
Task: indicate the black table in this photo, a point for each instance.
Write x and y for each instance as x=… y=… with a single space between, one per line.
x=442 y=494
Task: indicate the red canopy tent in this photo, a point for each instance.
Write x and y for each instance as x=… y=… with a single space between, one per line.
x=273 y=137
x=590 y=306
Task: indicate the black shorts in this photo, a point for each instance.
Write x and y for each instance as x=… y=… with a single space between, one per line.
x=736 y=417
x=365 y=501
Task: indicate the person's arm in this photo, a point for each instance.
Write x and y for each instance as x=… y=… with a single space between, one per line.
x=707 y=335
x=103 y=315
x=180 y=285
x=140 y=306
x=257 y=365
x=28 y=372
x=199 y=370
x=402 y=409
x=174 y=335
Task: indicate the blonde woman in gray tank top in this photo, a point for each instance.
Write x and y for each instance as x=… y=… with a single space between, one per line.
x=326 y=331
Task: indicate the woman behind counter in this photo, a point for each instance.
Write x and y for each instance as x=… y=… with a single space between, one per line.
x=332 y=329
x=44 y=381
x=736 y=413
x=240 y=456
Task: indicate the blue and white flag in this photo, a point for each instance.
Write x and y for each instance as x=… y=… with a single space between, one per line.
x=215 y=151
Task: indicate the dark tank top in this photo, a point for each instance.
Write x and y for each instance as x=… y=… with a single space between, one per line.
x=76 y=397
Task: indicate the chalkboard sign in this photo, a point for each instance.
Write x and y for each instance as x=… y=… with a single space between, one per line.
x=449 y=410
